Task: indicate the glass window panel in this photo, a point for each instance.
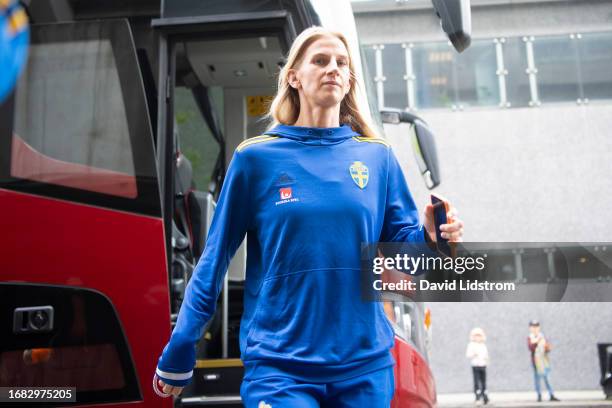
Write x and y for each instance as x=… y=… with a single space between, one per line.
x=394 y=70
x=517 y=80
x=368 y=55
x=73 y=89
x=195 y=139
x=557 y=64
x=595 y=52
x=370 y=58
x=80 y=137
x=433 y=68
x=477 y=83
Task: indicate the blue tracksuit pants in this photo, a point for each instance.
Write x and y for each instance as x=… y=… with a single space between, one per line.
x=372 y=390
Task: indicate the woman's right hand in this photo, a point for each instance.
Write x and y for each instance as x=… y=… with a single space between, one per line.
x=170 y=389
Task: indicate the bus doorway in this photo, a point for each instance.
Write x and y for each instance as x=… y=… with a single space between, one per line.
x=219 y=77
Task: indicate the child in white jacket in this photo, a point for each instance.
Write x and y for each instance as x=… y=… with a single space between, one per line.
x=479 y=358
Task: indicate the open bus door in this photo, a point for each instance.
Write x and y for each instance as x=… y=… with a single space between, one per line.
x=81 y=215
x=233 y=57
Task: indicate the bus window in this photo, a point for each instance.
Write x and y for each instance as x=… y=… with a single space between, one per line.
x=195 y=139
x=369 y=72
x=70 y=123
x=407 y=321
x=82 y=130
x=412 y=315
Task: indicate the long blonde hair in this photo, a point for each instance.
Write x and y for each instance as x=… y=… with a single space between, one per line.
x=285 y=107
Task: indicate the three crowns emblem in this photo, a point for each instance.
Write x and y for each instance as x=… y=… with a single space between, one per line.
x=360 y=174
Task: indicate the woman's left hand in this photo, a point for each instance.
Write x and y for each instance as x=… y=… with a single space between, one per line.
x=453 y=230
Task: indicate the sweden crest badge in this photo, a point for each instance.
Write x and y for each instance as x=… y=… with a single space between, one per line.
x=360 y=174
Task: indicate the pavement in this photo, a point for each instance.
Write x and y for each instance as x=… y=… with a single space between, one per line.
x=574 y=399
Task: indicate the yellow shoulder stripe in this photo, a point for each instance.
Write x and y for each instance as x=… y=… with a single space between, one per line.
x=371 y=140
x=254 y=140
x=17 y=21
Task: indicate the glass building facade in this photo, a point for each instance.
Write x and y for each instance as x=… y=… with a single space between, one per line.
x=499 y=72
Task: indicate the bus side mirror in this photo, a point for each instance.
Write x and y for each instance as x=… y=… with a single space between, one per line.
x=456 y=20
x=423 y=144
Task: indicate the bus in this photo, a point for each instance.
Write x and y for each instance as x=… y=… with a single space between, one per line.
x=103 y=220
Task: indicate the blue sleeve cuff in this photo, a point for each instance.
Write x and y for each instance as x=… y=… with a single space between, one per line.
x=175 y=379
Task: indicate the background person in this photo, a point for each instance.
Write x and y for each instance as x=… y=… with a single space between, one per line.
x=539 y=348
x=479 y=359
x=308 y=192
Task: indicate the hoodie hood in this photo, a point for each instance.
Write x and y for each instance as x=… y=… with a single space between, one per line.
x=312 y=135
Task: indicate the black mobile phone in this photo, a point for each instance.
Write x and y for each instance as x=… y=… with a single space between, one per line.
x=441 y=209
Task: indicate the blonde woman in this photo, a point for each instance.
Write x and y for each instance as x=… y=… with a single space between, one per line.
x=478 y=354
x=307 y=193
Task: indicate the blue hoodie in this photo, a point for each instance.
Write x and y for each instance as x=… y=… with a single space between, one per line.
x=306 y=198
